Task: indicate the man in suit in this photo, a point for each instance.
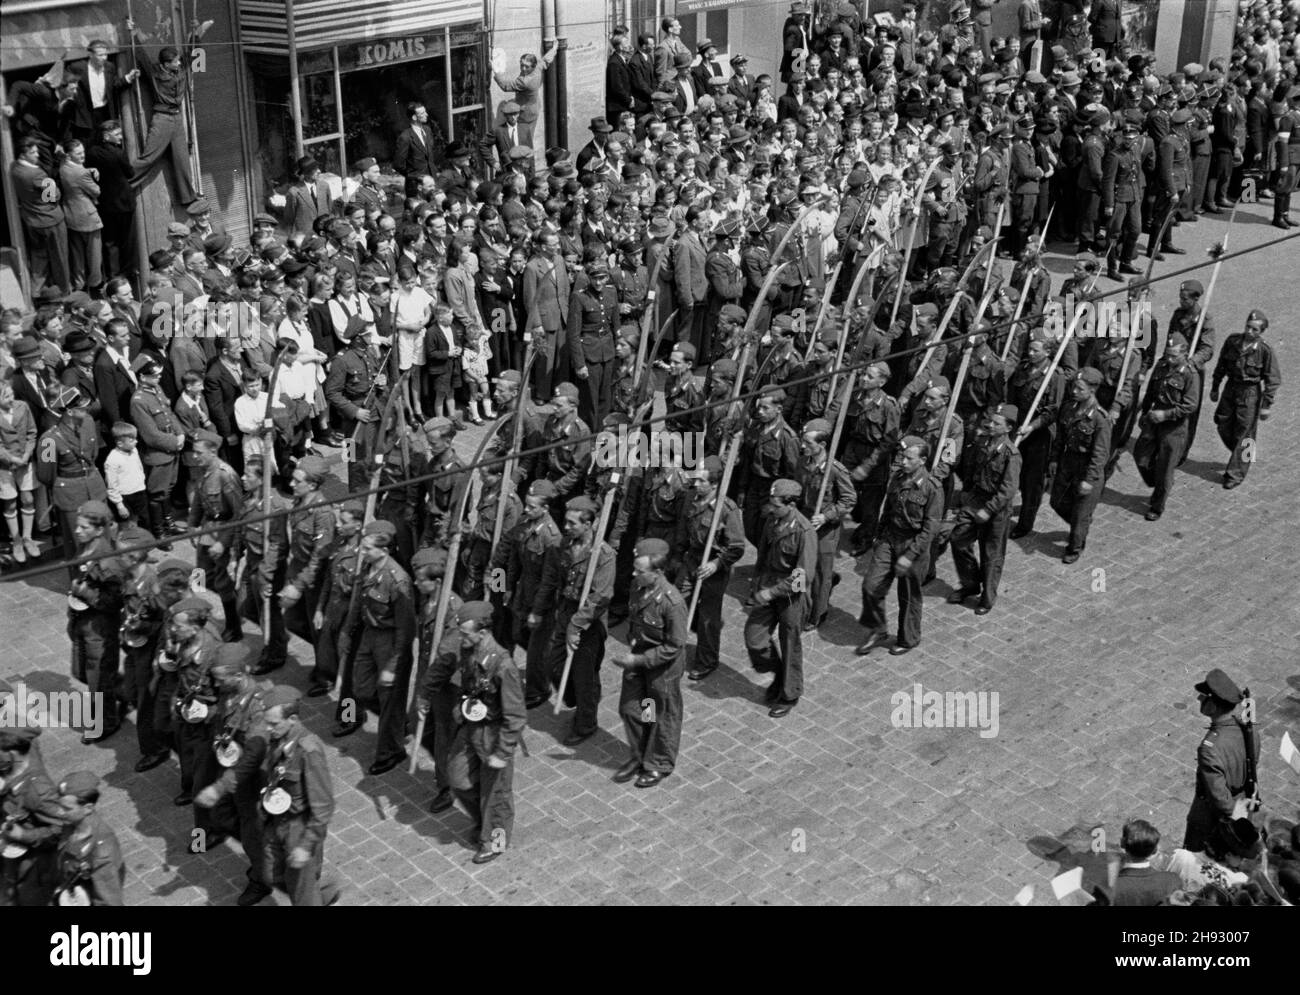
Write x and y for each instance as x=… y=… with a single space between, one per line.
x=708 y=68
x=792 y=101
x=414 y=155
x=670 y=48
x=690 y=280
x=31 y=379
x=80 y=196
x=525 y=87
x=97 y=92
x=546 y=302
x=641 y=68
x=740 y=86
x=1138 y=883
x=618 y=79
x=116 y=200
x=600 y=131
x=115 y=381
x=505 y=136
x=308 y=198
x=683 y=87
x=38 y=199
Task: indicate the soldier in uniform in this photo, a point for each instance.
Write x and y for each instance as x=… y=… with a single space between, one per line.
x=220 y=501
x=297 y=801
x=769 y=452
x=382 y=665
x=682 y=392
x=523 y=554
x=310 y=527
x=1222 y=775
x=714 y=575
x=1024 y=177
x=827 y=519
x=817 y=395
x=400 y=504
x=65 y=461
x=161 y=442
x=477 y=557
x=1092 y=154
x=721 y=420
x=1250 y=368
x=578 y=625
x=239 y=746
x=563 y=465
x=656 y=497
x=436 y=656
x=354 y=387
x=264 y=546
x=1036 y=446
x=1122 y=188
x=985 y=384
x=1172 y=395
x=778 y=601
x=490 y=719
x=1184 y=320
x=1079 y=454
x=32 y=820
x=908 y=524
x=1172 y=177
x=651 y=698
x=781 y=366
x=984 y=510
x=335 y=610
x=95 y=614
x=628 y=394
x=88 y=865
x=726 y=284
x=444 y=493
x=871 y=431
x=593 y=319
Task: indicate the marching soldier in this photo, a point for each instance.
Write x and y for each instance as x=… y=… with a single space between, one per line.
x=984 y=512
x=264 y=546
x=781 y=366
x=682 y=392
x=95 y=614
x=220 y=501
x=656 y=497
x=400 y=504
x=1250 y=368
x=33 y=819
x=336 y=605
x=478 y=556
x=444 y=492
x=578 y=625
x=1171 y=397
x=297 y=800
x=1079 y=455
x=627 y=393
x=836 y=505
x=566 y=464
x=239 y=746
x=382 y=665
x=871 y=431
x=1224 y=760
x=651 y=698
x=714 y=575
x=769 y=452
x=778 y=601
x=1184 y=319
x=436 y=657
x=523 y=556
x=984 y=386
x=1036 y=447
x=593 y=320
x=310 y=527
x=818 y=393
x=88 y=865
x=1117 y=392
x=721 y=420
x=908 y=524
x=490 y=720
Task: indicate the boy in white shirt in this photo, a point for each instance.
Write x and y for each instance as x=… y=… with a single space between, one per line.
x=250 y=414
x=124 y=475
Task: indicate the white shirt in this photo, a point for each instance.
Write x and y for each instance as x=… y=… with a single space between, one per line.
x=409 y=306
x=98 y=86
x=123 y=474
x=121 y=360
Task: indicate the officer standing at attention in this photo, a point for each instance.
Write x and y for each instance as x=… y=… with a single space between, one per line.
x=297 y=801
x=787 y=560
x=1221 y=760
x=651 y=699
x=593 y=319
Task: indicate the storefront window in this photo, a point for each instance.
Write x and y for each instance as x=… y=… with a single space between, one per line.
x=274 y=116
x=319 y=105
x=467 y=77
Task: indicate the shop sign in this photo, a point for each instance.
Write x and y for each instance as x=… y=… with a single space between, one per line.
x=383 y=53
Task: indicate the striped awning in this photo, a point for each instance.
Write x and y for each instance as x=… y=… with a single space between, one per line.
x=325 y=23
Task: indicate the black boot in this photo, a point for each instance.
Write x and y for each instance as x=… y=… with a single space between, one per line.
x=156 y=526
x=234 y=630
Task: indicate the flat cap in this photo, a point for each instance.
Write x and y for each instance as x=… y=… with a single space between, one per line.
x=510 y=107
x=177 y=230
x=198 y=206
x=1221 y=686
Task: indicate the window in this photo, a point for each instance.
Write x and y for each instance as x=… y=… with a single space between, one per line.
x=711 y=25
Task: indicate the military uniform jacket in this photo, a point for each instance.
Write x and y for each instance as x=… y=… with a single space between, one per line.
x=157 y=425
x=1183 y=321
x=1025 y=172
x=487 y=514
x=593 y=318
x=985 y=383
x=145 y=600
x=562 y=578
x=682 y=395
x=351 y=375
x=29 y=802
x=386 y=600
x=770 y=452
x=787 y=556
x=912 y=510
x=993 y=477
x=564 y=465
x=220 y=499
x=928 y=425
x=1173 y=163
x=91 y=857
x=840 y=497
x=444 y=495
x=632 y=286
x=1221 y=763
x=342 y=568
x=657 y=632
x=193 y=665
x=297 y=763
x=1116 y=391
x=241 y=718
x=992 y=171
x=1023 y=387
x=655 y=497
x=524 y=555
x=1122 y=179
x=266 y=542
x=99 y=583
x=1245 y=364
x=65 y=462
x=873 y=424
x=693 y=531
x=1173 y=389
x=1083 y=442
x=488 y=674
x=1090 y=168
x=628 y=395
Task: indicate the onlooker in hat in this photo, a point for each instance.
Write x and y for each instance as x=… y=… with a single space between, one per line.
x=308 y=198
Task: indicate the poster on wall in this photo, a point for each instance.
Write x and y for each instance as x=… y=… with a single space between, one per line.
x=1139 y=18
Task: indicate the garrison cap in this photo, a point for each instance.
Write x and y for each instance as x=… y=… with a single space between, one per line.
x=280 y=695
x=1176 y=338
x=80 y=784
x=208 y=436
x=355 y=508
x=133 y=535
x=1192 y=287
x=651 y=547
x=380 y=529
x=438 y=426
x=724 y=369
x=313 y=467
x=732 y=312
x=478 y=612
x=615 y=419
x=581 y=503
x=1221 y=686
x=191 y=606
x=817 y=425
x=1091 y=376
x=686 y=349
x=774 y=394
x=786 y=488
x=1008 y=411
x=95 y=509
x=542 y=489
x=432 y=558
x=939 y=382
x=712 y=464
x=509 y=376
x=568 y=390
x=232 y=656
x=1181 y=116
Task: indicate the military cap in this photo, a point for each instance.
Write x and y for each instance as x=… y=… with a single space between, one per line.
x=1087 y=260
x=1008 y=411
x=651 y=548
x=148 y=366
x=830 y=338
x=59 y=397
x=1192 y=287
x=94 y=509
x=431 y=558
x=1176 y=338
x=198 y=206
x=630 y=334
x=363 y=164
x=711 y=464
x=510 y=107
x=542 y=489
x=133 y=535
x=939 y=382
x=214 y=245
x=581 y=503
x=758 y=224
x=729 y=228
x=438 y=426
x=775 y=394
x=174 y=565
x=80 y=784
x=615 y=419
x=724 y=369
x=911 y=441
x=686 y=349
x=784 y=322
x=478 y=612
x=1181 y=116
x=732 y=312
x=177 y=230
x=1221 y=686
x=1091 y=376
x=597 y=267
x=313 y=467
x=566 y=389
x=380 y=529
x=281 y=695
x=509 y=376
x=1002 y=130
x=817 y=425
x=1257 y=315
x=927 y=310
x=786 y=488
x=858 y=178
x=192 y=605
x=1024 y=123
x=208 y=436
